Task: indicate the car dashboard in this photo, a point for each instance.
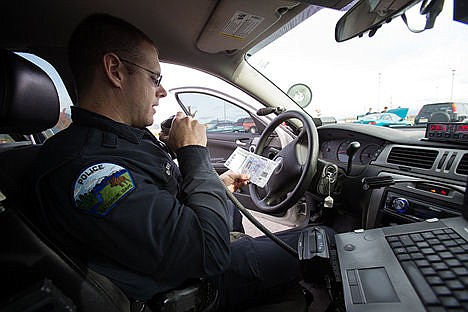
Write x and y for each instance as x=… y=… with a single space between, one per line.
x=427 y=178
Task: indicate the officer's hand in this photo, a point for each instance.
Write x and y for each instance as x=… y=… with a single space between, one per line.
x=186 y=131
x=164 y=137
x=165 y=127
x=234 y=181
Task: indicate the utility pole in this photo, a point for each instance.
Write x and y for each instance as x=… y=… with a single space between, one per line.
x=378 y=90
x=451 y=90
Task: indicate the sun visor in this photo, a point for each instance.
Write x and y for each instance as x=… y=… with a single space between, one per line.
x=235 y=23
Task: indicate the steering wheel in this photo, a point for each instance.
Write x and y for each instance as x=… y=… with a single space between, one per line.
x=297 y=164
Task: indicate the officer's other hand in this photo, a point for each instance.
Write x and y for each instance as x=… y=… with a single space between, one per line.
x=165 y=128
x=186 y=131
x=164 y=137
x=234 y=181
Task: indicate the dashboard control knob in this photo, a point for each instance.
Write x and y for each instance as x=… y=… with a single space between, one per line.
x=400 y=204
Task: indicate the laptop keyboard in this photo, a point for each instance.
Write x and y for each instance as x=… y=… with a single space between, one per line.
x=436 y=262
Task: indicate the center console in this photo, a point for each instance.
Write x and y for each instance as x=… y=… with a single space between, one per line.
x=412 y=199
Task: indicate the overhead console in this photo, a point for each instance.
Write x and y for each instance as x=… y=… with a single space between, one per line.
x=235 y=23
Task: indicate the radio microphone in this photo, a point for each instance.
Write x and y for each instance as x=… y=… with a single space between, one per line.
x=268 y=110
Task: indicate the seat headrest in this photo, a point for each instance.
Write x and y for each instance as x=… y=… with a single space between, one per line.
x=29 y=102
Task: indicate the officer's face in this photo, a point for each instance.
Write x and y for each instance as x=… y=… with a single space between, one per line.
x=143 y=89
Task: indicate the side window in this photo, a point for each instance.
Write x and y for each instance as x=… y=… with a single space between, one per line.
x=6 y=138
x=462 y=109
x=220 y=115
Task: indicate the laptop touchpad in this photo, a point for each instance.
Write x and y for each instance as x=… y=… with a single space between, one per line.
x=376 y=285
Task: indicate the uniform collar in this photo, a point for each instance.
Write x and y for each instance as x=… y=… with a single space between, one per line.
x=84 y=117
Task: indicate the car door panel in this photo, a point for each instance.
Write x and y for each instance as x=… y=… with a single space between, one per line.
x=221 y=147
x=230 y=124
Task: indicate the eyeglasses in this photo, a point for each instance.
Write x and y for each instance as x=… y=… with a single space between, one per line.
x=155 y=77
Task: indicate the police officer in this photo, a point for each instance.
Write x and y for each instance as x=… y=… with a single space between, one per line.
x=111 y=194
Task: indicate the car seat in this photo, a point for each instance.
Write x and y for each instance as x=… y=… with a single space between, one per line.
x=35 y=274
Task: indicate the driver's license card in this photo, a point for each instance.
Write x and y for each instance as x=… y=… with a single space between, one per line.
x=259 y=168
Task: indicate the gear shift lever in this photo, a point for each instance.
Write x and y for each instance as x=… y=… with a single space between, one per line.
x=350 y=151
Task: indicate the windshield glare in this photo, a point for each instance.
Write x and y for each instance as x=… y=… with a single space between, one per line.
x=394 y=68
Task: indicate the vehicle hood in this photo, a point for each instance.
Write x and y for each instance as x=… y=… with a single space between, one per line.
x=401 y=112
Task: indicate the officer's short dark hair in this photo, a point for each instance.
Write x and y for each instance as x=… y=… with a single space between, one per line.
x=97 y=35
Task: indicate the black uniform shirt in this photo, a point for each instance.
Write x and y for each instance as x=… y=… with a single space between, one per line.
x=112 y=195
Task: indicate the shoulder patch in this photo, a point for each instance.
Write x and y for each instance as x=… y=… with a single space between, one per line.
x=100 y=187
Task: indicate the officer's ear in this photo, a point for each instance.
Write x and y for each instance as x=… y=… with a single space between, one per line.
x=113 y=68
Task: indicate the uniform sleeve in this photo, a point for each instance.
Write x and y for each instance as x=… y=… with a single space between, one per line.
x=171 y=238
x=204 y=193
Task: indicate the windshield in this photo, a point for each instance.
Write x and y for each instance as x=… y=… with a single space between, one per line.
x=395 y=68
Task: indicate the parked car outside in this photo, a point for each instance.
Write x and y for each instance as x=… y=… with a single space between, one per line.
x=392 y=118
x=383 y=119
x=442 y=112
x=227 y=126
x=247 y=124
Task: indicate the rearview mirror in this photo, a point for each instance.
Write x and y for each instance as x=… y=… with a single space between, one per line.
x=369 y=15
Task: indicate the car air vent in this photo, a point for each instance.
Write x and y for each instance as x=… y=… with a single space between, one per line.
x=462 y=167
x=412 y=157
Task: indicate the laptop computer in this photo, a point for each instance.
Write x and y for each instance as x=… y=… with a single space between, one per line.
x=407 y=267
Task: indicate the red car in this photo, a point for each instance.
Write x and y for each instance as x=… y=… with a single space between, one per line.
x=248 y=124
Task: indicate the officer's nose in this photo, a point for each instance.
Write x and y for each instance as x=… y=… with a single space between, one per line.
x=161 y=92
